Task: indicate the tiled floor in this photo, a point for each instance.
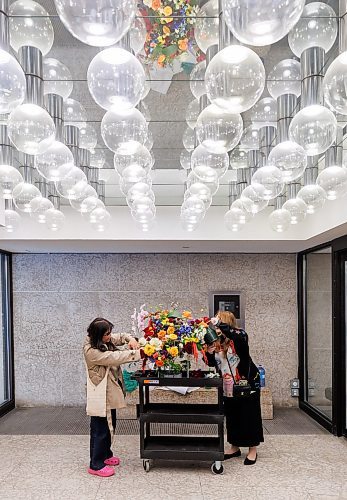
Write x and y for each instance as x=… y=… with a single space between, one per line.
x=289 y=467
x=292 y=465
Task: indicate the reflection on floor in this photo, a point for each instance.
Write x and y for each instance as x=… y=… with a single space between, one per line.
x=292 y=466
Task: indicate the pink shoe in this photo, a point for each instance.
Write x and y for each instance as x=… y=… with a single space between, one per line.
x=104 y=472
x=112 y=461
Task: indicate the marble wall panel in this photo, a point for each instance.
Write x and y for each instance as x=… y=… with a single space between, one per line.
x=57 y=296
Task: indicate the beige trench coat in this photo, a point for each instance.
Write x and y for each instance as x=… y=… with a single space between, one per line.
x=97 y=363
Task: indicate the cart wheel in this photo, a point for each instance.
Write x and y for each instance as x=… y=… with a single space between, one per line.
x=146 y=465
x=217 y=469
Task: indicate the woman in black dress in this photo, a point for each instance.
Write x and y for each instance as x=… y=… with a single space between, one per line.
x=243 y=414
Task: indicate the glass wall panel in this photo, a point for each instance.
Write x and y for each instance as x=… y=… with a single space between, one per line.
x=318 y=320
x=6 y=382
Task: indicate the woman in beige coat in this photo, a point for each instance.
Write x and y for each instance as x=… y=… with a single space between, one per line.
x=105 y=390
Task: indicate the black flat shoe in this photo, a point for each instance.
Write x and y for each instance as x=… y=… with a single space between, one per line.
x=250 y=462
x=232 y=455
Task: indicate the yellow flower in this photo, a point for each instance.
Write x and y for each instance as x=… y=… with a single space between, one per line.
x=167 y=11
x=173 y=336
x=170 y=330
x=149 y=350
x=166 y=30
x=173 y=351
x=183 y=45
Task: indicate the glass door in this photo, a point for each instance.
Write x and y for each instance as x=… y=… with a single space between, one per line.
x=6 y=347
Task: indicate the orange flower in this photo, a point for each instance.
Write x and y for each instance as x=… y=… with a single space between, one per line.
x=161 y=59
x=186 y=314
x=166 y=30
x=159 y=362
x=183 y=44
x=156 y=4
x=161 y=334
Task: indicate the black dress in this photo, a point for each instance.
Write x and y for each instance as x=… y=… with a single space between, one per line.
x=242 y=415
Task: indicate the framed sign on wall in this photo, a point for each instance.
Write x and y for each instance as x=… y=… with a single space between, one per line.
x=228 y=301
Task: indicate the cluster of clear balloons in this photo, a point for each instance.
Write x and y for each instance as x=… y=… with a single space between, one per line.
x=234 y=81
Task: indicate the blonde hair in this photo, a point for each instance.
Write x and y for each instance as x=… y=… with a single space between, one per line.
x=228 y=318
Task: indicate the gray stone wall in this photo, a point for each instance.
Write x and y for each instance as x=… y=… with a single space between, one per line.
x=56 y=297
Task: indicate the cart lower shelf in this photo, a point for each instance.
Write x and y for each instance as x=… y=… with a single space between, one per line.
x=182 y=448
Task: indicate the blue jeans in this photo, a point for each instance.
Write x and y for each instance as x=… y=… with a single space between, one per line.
x=100 y=440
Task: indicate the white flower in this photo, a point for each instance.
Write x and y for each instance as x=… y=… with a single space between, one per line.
x=180 y=345
x=148 y=3
x=142 y=341
x=155 y=342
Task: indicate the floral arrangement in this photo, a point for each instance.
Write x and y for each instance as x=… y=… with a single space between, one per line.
x=169 y=338
x=170 y=30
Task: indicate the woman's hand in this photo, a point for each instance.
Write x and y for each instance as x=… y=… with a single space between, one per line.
x=133 y=344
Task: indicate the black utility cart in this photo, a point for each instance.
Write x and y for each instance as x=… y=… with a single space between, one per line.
x=195 y=448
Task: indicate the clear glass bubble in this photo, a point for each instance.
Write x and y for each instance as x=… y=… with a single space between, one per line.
x=97 y=158
x=193 y=206
x=235 y=78
x=218 y=130
x=314 y=196
x=335 y=86
x=30 y=25
x=49 y=162
x=142 y=203
x=10 y=177
x=74 y=113
x=149 y=140
x=189 y=220
x=54 y=219
x=87 y=201
x=235 y=219
x=188 y=139
x=31 y=129
x=314 y=128
x=99 y=24
x=140 y=156
x=12 y=83
x=197 y=80
x=116 y=79
x=206 y=29
x=125 y=185
x=145 y=214
x=202 y=158
x=285 y=78
x=250 y=138
x=246 y=215
x=252 y=200
x=204 y=195
x=39 y=207
x=12 y=220
x=23 y=194
x=141 y=191
x=264 y=113
x=261 y=23
x=123 y=130
x=73 y=184
x=238 y=159
x=270 y=178
x=134 y=173
x=138 y=34
x=192 y=113
x=317 y=27
x=280 y=220
x=212 y=181
x=57 y=78
x=290 y=158
x=185 y=159
x=333 y=180
x=88 y=138
x=297 y=209
x=102 y=225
